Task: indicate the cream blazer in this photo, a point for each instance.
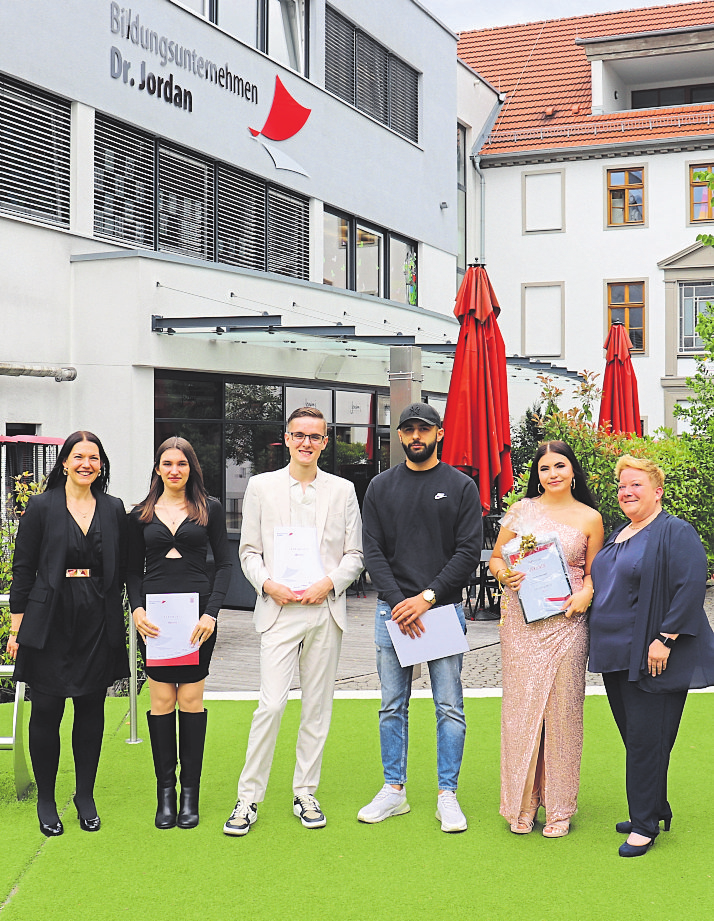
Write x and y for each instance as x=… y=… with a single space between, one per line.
x=266 y=505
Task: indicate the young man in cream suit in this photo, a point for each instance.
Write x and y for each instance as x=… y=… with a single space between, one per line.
x=303 y=628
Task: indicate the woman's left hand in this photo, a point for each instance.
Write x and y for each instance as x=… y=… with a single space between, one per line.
x=579 y=602
x=203 y=629
x=657 y=656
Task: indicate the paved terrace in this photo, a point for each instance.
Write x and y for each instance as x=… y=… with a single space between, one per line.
x=235 y=665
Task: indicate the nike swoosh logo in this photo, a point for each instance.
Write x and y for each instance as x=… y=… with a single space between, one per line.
x=440 y=495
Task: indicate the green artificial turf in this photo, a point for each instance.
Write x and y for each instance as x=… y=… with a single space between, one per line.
x=403 y=868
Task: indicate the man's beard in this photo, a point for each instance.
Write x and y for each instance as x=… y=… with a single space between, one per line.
x=418 y=457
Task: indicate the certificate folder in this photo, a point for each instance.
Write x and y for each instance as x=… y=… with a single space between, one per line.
x=443 y=636
x=176 y=615
x=546 y=588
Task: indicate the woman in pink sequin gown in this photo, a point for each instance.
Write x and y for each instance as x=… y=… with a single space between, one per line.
x=543 y=663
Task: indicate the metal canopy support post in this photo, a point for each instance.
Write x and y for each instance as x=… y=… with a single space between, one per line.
x=133 y=690
x=16 y=742
x=405 y=380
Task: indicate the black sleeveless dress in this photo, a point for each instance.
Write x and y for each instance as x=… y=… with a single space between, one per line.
x=150 y=571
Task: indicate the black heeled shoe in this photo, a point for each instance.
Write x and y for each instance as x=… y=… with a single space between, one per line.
x=87 y=824
x=51 y=831
x=625 y=828
x=635 y=850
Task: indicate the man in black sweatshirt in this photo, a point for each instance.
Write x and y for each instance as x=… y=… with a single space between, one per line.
x=422 y=536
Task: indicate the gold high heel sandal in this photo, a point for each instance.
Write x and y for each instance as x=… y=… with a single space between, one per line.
x=524 y=825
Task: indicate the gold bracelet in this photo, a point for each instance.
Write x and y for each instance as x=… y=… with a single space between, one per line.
x=14 y=632
x=498 y=575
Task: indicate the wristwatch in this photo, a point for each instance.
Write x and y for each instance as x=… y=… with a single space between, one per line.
x=429 y=595
x=666 y=640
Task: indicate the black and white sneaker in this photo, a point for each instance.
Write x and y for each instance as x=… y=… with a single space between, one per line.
x=242 y=817
x=308 y=811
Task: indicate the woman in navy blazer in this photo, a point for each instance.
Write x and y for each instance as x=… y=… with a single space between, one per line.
x=67 y=623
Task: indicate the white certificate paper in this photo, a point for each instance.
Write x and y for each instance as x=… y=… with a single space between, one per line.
x=176 y=615
x=546 y=587
x=297 y=558
x=443 y=636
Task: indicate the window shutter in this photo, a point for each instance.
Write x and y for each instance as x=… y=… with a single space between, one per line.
x=34 y=153
x=123 y=183
x=403 y=98
x=241 y=219
x=339 y=56
x=372 y=78
x=288 y=234
x=186 y=204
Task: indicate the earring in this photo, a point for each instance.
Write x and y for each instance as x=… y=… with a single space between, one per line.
x=572 y=485
x=540 y=489
x=65 y=471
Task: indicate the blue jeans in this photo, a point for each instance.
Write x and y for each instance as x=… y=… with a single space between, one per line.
x=396 y=684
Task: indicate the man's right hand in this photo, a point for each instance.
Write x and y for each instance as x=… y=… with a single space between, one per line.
x=280 y=594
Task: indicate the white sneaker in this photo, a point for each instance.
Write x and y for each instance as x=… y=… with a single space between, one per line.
x=240 y=820
x=449 y=813
x=386 y=803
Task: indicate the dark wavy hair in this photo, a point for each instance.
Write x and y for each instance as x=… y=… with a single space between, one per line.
x=196 y=495
x=56 y=477
x=580 y=490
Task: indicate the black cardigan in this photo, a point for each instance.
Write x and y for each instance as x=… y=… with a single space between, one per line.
x=671 y=600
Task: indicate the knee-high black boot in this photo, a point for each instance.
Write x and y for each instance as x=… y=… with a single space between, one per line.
x=192 y=736
x=162 y=731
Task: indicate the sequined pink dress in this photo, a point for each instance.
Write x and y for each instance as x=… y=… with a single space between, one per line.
x=543 y=667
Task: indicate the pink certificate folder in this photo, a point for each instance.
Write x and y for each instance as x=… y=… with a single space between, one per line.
x=176 y=615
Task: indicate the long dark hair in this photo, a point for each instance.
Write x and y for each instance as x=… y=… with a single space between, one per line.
x=196 y=495
x=580 y=490
x=56 y=477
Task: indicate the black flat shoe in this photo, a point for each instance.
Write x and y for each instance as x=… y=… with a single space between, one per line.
x=88 y=824
x=52 y=831
x=625 y=828
x=635 y=850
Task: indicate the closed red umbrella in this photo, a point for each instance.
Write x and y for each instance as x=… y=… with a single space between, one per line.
x=620 y=406
x=477 y=433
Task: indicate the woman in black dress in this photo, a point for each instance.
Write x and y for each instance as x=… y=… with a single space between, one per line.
x=169 y=534
x=67 y=632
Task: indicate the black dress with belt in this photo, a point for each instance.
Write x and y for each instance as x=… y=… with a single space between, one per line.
x=77 y=658
x=151 y=571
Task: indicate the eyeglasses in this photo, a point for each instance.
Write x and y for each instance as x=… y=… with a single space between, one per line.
x=299 y=437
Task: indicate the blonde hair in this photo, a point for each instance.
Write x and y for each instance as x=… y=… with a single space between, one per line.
x=655 y=473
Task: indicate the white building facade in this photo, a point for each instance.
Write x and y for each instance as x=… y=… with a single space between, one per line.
x=279 y=179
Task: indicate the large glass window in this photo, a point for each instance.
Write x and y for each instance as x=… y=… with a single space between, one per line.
x=673 y=96
x=283 y=28
x=370 y=244
x=250 y=448
x=356 y=257
x=403 y=271
x=364 y=73
x=626 y=304
x=694 y=300
x=205 y=438
x=626 y=196
x=336 y=250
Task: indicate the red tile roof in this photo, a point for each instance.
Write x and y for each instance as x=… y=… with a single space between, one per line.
x=539 y=65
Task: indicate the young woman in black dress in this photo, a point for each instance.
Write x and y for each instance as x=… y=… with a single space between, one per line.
x=67 y=630
x=169 y=535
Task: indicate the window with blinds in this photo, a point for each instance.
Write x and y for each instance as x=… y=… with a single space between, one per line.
x=364 y=73
x=288 y=234
x=185 y=204
x=241 y=212
x=34 y=153
x=124 y=161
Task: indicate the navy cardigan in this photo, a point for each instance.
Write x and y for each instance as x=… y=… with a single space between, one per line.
x=671 y=600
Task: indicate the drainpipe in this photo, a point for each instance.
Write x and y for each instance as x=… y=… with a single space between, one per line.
x=476 y=161
x=59 y=374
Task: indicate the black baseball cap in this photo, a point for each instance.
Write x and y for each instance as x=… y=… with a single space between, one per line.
x=420 y=412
